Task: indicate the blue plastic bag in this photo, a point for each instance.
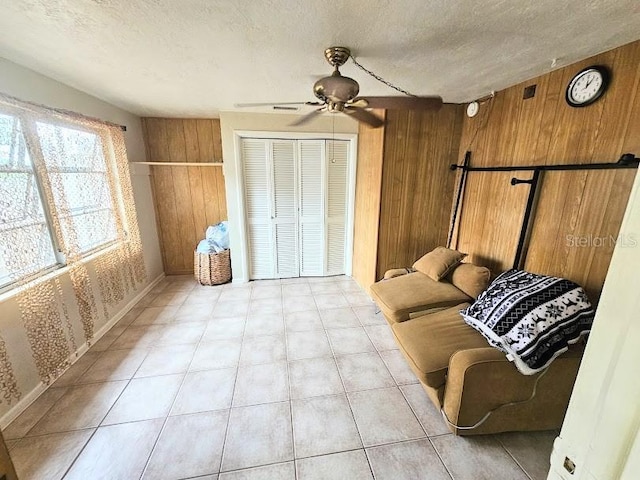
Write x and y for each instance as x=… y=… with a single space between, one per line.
x=218 y=236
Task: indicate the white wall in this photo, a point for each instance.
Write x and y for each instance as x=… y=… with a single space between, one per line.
x=28 y=85
x=600 y=433
x=231 y=122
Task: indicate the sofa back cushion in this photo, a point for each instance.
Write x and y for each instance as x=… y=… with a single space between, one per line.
x=470 y=278
x=439 y=262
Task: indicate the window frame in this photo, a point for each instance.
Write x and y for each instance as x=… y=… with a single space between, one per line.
x=33 y=145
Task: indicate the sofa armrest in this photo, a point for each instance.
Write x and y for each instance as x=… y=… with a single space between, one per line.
x=482 y=379
x=396 y=272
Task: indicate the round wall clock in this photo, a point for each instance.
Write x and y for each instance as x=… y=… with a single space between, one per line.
x=472 y=109
x=587 y=86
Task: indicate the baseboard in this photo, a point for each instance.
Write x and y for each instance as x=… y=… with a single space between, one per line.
x=32 y=396
x=180 y=272
x=118 y=316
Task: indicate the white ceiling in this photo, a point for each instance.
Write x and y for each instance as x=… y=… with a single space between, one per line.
x=197 y=57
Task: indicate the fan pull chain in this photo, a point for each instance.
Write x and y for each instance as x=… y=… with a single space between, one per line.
x=382 y=80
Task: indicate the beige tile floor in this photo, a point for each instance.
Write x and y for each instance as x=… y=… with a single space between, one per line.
x=292 y=379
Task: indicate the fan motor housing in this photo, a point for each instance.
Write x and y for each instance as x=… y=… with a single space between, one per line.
x=336 y=88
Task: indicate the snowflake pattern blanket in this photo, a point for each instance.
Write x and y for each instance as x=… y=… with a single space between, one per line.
x=532 y=318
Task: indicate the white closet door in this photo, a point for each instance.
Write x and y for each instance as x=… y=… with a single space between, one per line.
x=285 y=217
x=295 y=201
x=337 y=168
x=258 y=202
x=311 y=204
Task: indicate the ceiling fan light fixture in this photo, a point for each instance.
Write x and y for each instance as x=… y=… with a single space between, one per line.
x=339 y=94
x=336 y=88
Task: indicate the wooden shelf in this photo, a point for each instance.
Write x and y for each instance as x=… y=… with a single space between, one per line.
x=180 y=164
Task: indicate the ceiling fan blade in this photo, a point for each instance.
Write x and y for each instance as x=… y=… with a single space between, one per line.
x=400 y=103
x=271 y=104
x=308 y=117
x=363 y=116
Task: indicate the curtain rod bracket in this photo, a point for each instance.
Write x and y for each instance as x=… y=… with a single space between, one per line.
x=627 y=158
x=516 y=181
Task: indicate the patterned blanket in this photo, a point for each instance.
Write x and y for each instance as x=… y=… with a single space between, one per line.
x=532 y=318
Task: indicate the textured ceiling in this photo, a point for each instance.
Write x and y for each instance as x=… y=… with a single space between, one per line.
x=197 y=57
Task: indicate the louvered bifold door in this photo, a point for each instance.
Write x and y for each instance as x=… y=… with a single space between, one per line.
x=311 y=207
x=285 y=208
x=337 y=169
x=258 y=204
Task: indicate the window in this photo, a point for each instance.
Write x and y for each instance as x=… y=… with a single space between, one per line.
x=23 y=225
x=76 y=165
x=69 y=162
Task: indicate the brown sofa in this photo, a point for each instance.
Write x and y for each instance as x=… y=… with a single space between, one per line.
x=463 y=376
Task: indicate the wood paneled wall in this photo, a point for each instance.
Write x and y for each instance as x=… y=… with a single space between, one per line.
x=404 y=189
x=417 y=184
x=367 y=202
x=187 y=199
x=575 y=204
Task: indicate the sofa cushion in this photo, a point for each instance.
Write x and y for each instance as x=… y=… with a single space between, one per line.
x=438 y=262
x=428 y=342
x=470 y=278
x=400 y=296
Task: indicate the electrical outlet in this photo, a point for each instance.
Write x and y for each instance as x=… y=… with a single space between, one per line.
x=569 y=466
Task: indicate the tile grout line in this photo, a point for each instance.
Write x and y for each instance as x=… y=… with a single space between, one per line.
x=166 y=418
x=413 y=410
x=343 y=394
x=233 y=391
x=75 y=459
x=397 y=386
x=243 y=337
x=425 y=430
x=290 y=400
x=187 y=371
x=67 y=387
x=512 y=457
x=446 y=467
x=200 y=341
x=346 y=395
x=317 y=309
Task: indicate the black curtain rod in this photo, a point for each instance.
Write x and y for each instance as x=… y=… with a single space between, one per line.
x=454 y=217
x=627 y=160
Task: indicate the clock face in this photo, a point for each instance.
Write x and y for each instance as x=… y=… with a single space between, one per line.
x=472 y=109
x=587 y=86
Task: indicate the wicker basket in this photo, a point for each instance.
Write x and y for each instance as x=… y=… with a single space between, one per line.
x=212 y=268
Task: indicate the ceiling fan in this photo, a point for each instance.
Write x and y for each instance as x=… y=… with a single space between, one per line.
x=339 y=94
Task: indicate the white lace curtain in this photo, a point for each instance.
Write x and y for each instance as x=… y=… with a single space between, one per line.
x=65 y=195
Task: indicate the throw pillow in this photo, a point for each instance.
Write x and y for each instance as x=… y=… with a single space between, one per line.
x=470 y=278
x=437 y=263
